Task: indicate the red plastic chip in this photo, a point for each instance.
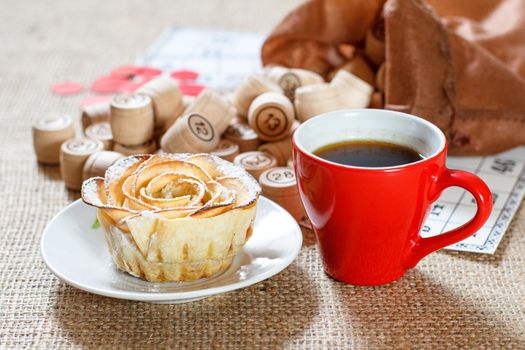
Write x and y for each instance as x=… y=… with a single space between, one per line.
x=129 y=86
x=67 y=88
x=184 y=74
x=126 y=71
x=149 y=71
x=107 y=85
x=191 y=89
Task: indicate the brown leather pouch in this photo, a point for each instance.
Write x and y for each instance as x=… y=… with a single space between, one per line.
x=457 y=63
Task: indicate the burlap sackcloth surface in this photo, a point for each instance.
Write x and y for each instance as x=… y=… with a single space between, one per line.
x=451 y=300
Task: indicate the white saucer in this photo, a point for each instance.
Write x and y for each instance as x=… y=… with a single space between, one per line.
x=78 y=255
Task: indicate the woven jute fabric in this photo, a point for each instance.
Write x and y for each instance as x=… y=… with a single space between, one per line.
x=450 y=300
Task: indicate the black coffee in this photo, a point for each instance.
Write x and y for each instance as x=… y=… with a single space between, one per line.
x=368 y=153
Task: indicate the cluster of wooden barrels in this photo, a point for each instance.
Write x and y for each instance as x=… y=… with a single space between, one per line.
x=252 y=127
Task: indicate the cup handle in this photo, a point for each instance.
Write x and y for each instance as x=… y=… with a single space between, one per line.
x=421 y=247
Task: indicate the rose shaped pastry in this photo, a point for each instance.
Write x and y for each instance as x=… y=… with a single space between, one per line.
x=175 y=217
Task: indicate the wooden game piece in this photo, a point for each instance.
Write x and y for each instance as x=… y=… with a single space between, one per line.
x=375 y=43
x=145 y=148
x=200 y=128
x=240 y=133
x=280 y=185
x=48 y=135
x=271 y=116
x=166 y=99
x=281 y=150
x=353 y=91
x=290 y=79
x=255 y=162
x=131 y=118
x=95 y=113
x=307 y=77
x=358 y=66
x=191 y=133
x=268 y=68
x=73 y=156
x=274 y=73
x=315 y=99
x=377 y=100
x=214 y=108
x=226 y=149
x=102 y=132
x=380 y=78
x=99 y=162
x=251 y=87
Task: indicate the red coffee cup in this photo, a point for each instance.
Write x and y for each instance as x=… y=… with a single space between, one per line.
x=367 y=220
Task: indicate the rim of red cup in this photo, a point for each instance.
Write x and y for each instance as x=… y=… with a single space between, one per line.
x=442 y=146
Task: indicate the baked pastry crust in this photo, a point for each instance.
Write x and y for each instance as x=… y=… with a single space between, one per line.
x=174 y=217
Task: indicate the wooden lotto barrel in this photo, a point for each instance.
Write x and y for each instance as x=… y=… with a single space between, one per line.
x=359 y=67
x=95 y=113
x=102 y=132
x=353 y=91
x=280 y=185
x=312 y=100
x=226 y=149
x=191 y=133
x=240 y=133
x=48 y=135
x=132 y=120
x=271 y=116
x=255 y=162
x=282 y=150
x=73 y=155
x=214 y=108
x=289 y=79
x=251 y=87
x=145 y=148
x=99 y=162
x=166 y=99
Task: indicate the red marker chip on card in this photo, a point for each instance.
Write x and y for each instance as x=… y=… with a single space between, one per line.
x=184 y=74
x=67 y=88
x=191 y=89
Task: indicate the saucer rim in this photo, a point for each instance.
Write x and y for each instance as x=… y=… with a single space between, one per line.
x=172 y=296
